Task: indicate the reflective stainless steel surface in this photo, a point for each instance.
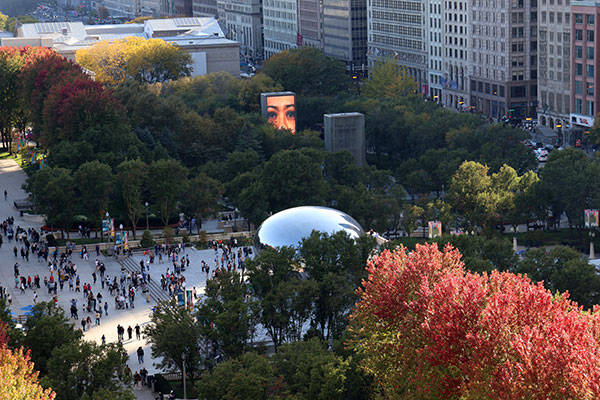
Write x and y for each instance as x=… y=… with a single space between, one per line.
x=289 y=227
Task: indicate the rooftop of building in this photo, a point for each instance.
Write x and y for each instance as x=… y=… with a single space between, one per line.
x=180 y=31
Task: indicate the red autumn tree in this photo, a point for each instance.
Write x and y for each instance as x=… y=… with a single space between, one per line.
x=428 y=329
x=18 y=380
x=41 y=71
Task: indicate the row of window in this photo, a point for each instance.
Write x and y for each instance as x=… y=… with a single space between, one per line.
x=483 y=87
x=587 y=105
x=559 y=17
x=396 y=17
x=488 y=16
x=590 y=19
x=589 y=70
x=589 y=88
x=397 y=4
x=397 y=42
x=589 y=35
x=558 y=2
x=589 y=52
x=397 y=29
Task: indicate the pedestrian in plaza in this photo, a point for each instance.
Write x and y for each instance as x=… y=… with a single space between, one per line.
x=16 y=251
x=140 y=354
x=106 y=308
x=83 y=323
x=35 y=297
x=9 y=298
x=97 y=318
x=138 y=335
x=103 y=339
x=129 y=332
x=5 y=195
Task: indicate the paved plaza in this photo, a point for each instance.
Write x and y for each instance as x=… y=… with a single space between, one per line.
x=11 y=179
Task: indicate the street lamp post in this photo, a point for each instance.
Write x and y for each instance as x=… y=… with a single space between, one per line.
x=121 y=229
x=107 y=232
x=184 y=387
x=592 y=253
x=147 y=225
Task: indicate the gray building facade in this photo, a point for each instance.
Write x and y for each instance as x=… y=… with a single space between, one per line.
x=346 y=131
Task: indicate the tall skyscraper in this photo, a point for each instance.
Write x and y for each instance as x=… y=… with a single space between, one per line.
x=310 y=23
x=345 y=31
x=280 y=26
x=456 y=47
x=243 y=22
x=205 y=8
x=554 y=62
x=435 y=50
x=584 y=80
x=396 y=31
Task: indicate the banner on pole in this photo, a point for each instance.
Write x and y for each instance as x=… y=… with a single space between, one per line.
x=590 y=218
x=435 y=229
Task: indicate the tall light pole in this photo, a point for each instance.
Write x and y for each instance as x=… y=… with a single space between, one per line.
x=121 y=229
x=107 y=222
x=147 y=225
x=184 y=387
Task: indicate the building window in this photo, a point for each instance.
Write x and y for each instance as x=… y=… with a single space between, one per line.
x=578 y=107
x=590 y=53
x=589 y=36
x=589 y=107
x=590 y=89
x=578 y=87
x=579 y=51
x=590 y=71
x=578 y=69
x=579 y=34
x=589 y=19
x=579 y=18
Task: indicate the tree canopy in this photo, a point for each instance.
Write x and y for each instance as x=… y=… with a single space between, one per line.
x=428 y=329
x=143 y=60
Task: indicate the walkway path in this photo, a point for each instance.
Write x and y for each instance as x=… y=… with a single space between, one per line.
x=11 y=180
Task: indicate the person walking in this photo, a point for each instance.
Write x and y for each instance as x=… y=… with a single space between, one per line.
x=129 y=332
x=138 y=335
x=97 y=318
x=103 y=339
x=140 y=354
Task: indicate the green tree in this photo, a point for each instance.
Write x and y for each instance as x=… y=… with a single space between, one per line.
x=389 y=80
x=569 y=182
x=146 y=61
x=470 y=193
x=411 y=214
x=52 y=191
x=250 y=377
x=10 y=68
x=225 y=315
x=336 y=264
x=47 y=328
x=200 y=197
x=3 y=21
x=311 y=371
x=131 y=177
x=284 y=298
x=94 y=184
x=77 y=370
x=293 y=178
x=307 y=71
x=563 y=269
x=165 y=179
x=173 y=331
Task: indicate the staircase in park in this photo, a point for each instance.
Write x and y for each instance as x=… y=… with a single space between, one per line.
x=154 y=289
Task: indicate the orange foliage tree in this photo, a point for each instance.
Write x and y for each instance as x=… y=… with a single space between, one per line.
x=428 y=329
x=18 y=380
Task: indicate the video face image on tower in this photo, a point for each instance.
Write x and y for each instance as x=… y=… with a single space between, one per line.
x=281 y=112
